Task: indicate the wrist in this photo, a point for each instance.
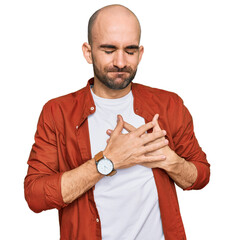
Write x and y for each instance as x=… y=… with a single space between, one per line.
x=107 y=154
x=176 y=165
x=92 y=166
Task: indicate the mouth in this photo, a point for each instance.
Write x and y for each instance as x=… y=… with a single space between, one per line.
x=118 y=73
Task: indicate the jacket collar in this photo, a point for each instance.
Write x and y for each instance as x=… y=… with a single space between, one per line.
x=140 y=105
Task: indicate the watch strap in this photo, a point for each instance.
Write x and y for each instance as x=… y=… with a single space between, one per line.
x=99 y=156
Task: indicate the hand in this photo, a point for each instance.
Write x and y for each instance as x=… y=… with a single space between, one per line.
x=170 y=160
x=126 y=150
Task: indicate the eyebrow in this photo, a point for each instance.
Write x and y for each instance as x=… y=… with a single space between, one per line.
x=107 y=46
x=114 y=47
x=132 y=47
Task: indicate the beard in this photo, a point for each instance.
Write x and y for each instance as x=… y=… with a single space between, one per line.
x=113 y=82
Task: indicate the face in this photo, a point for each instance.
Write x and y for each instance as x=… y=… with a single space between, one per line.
x=113 y=76
x=115 y=51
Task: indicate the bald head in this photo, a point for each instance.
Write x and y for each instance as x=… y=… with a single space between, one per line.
x=112 y=14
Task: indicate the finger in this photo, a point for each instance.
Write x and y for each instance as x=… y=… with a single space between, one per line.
x=145 y=150
x=119 y=127
x=156 y=116
x=150 y=137
x=156 y=146
x=129 y=127
x=142 y=129
x=149 y=159
x=109 y=132
x=155 y=121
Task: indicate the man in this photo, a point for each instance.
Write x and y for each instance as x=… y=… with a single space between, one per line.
x=108 y=155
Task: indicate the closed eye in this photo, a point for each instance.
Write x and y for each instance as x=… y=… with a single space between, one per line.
x=107 y=48
x=131 y=49
x=130 y=53
x=109 y=52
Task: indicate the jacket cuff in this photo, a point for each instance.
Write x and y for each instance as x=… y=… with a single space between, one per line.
x=203 y=175
x=53 y=192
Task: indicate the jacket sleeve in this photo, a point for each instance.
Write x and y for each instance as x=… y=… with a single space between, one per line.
x=42 y=185
x=187 y=146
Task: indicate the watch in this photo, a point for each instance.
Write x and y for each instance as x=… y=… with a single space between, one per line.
x=104 y=165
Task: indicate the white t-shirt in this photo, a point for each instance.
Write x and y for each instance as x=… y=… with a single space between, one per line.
x=127 y=202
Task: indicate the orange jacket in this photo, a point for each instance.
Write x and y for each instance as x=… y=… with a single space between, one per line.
x=62 y=143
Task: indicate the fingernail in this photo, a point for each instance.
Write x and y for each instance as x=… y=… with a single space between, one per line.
x=164 y=132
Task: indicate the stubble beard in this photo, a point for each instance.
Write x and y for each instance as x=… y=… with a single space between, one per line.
x=111 y=82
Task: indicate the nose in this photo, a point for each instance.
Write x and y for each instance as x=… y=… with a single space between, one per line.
x=120 y=59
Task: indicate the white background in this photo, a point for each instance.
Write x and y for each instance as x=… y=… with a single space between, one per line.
x=189 y=49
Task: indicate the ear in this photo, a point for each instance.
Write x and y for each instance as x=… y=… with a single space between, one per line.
x=141 y=51
x=86 y=48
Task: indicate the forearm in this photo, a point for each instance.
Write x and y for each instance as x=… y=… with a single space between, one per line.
x=79 y=180
x=183 y=173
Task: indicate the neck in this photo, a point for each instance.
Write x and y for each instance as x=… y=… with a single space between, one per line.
x=103 y=91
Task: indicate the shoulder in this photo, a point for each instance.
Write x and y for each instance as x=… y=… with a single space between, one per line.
x=157 y=95
x=66 y=103
x=67 y=99
x=57 y=110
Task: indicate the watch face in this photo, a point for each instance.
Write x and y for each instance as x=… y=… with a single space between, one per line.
x=105 y=166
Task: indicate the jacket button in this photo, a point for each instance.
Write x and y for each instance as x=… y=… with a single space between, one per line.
x=92 y=108
x=77 y=127
x=97 y=220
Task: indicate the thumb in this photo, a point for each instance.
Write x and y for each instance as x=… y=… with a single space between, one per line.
x=119 y=127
